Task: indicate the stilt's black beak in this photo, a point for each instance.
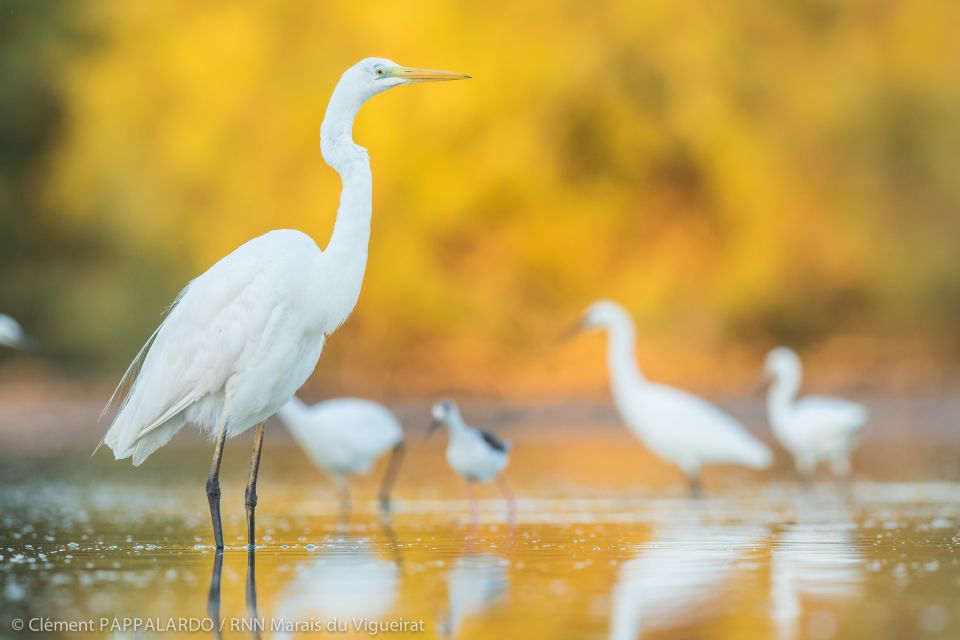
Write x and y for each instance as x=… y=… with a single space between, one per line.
x=433 y=427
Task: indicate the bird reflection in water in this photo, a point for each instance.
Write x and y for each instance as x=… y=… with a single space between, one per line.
x=678 y=576
x=213 y=595
x=816 y=558
x=475 y=584
x=350 y=580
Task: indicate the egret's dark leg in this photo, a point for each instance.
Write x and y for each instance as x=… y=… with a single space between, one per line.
x=252 y=591
x=213 y=486
x=213 y=597
x=696 y=486
x=390 y=475
x=250 y=496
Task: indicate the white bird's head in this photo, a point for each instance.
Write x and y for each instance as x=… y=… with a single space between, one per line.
x=602 y=314
x=443 y=412
x=780 y=361
x=371 y=76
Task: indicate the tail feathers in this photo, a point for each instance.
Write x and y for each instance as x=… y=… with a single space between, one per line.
x=150 y=442
x=141 y=445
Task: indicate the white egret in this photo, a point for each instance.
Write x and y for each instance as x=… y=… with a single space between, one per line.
x=675 y=425
x=476 y=455
x=12 y=334
x=344 y=437
x=242 y=337
x=813 y=429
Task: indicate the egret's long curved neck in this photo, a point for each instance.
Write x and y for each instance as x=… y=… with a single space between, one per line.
x=783 y=393
x=345 y=258
x=622 y=357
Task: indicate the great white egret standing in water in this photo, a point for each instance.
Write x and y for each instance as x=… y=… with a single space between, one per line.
x=242 y=337
x=344 y=437
x=814 y=429
x=677 y=426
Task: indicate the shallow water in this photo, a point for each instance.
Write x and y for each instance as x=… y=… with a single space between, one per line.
x=594 y=553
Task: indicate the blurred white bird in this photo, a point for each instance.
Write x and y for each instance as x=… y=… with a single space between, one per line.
x=12 y=335
x=475 y=454
x=344 y=437
x=675 y=425
x=814 y=429
x=242 y=337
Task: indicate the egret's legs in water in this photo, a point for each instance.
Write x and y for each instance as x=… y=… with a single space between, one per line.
x=252 y=590
x=250 y=495
x=390 y=475
x=213 y=597
x=213 y=486
x=696 y=486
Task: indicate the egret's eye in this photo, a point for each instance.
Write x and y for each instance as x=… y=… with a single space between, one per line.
x=379 y=72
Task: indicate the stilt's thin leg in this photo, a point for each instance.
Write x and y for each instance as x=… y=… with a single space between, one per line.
x=511 y=502
x=250 y=496
x=343 y=498
x=696 y=486
x=213 y=486
x=390 y=475
x=213 y=597
x=252 y=592
x=474 y=507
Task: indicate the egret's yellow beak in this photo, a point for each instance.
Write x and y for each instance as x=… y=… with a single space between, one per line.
x=426 y=75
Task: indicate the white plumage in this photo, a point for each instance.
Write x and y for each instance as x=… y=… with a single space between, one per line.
x=242 y=337
x=675 y=425
x=814 y=429
x=345 y=436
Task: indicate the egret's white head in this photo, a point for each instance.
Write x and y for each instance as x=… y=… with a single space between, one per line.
x=11 y=334
x=780 y=361
x=602 y=314
x=371 y=76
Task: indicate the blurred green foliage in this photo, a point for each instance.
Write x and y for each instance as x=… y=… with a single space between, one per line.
x=745 y=172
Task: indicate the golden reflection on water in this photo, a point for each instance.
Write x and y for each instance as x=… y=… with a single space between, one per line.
x=767 y=560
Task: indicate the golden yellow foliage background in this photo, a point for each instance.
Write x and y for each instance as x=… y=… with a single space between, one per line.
x=738 y=174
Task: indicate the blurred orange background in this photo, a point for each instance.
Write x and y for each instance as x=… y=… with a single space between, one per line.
x=739 y=175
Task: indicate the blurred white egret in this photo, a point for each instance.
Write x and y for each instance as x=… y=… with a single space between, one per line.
x=344 y=437
x=475 y=454
x=814 y=429
x=242 y=337
x=12 y=335
x=675 y=425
